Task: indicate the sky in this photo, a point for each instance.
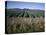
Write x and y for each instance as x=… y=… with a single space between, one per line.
x=28 y=5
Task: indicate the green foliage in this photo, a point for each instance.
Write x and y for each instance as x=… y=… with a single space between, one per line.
x=12 y=15
x=38 y=14
x=25 y=13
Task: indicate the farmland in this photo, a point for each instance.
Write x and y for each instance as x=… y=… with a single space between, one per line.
x=25 y=20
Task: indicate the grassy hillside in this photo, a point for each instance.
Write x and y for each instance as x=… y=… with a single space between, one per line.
x=24 y=12
x=25 y=20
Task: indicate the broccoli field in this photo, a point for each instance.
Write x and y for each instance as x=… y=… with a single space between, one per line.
x=25 y=20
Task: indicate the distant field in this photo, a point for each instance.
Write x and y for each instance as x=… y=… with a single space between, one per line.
x=25 y=12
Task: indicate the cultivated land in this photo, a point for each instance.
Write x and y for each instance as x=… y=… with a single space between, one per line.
x=25 y=20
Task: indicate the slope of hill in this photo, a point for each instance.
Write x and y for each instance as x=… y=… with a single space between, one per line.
x=17 y=21
x=29 y=12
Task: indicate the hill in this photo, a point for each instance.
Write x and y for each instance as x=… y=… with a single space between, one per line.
x=24 y=12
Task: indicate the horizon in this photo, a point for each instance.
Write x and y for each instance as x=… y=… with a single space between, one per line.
x=23 y=8
x=27 y=5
